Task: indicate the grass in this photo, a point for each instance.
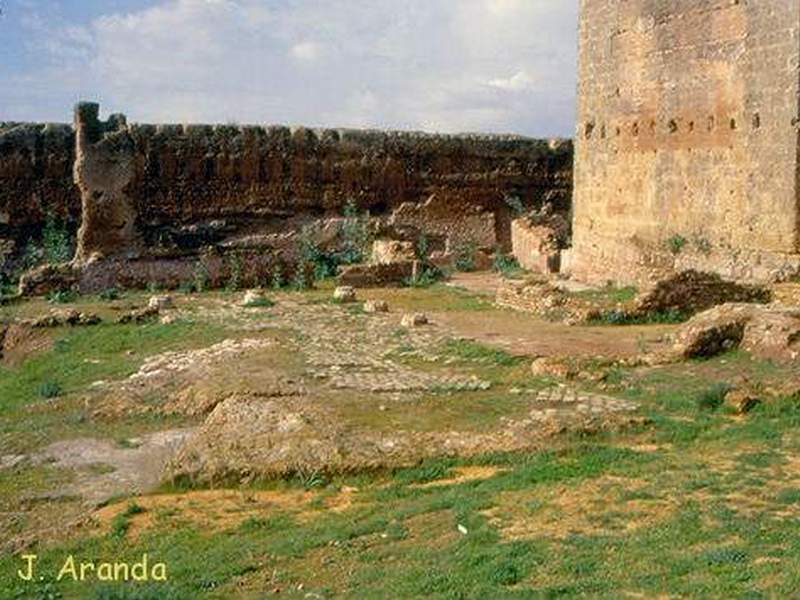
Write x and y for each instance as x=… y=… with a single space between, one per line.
x=260 y=303
x=695 y=504
x=473 y=351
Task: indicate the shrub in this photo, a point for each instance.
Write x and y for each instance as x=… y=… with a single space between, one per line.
x=57 y=241
x=277 y=279
x=465 y=256
x=677 y=243
x=713 y=397
x=110 y=294
x=356 y=236
x=426 y=277
x=506 y=264
x=50 y=389
x=200 y=277
x=63 y=296
x=235 y=271
x=325 y=265
x=515 y=204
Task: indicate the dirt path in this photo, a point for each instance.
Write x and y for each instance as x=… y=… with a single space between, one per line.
x=522 y=334
x=104 y=469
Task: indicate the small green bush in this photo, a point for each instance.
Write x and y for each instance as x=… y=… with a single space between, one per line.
x=712 y=398
x=57 y=241
x=50 y=389
x=506 y=264
x=61 y=296
x=677 y=243
x=465 y=256
x=110 y=294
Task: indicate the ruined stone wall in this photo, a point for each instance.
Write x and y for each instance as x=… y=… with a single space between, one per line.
x=192 y=186
x=35 y=180
x=687 y=143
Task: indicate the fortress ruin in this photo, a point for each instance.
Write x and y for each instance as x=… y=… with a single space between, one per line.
x=687 y=142
x=687 y=156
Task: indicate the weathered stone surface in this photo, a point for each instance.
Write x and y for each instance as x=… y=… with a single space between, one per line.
x=104 y=170
x=141 y=315
x=414 y=320
x=161 y=302
x=367 y=275
x=392 y=251
x=344 y=293
x=700 y=173
x=690 y=292
x=376 y=306
x=765 y=331
x=174 y=189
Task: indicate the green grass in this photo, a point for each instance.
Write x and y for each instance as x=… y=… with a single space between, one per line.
x=83 y=355
x=695 y=504
x=473 y=351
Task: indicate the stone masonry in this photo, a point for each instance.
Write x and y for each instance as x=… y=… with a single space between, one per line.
x=687 y=143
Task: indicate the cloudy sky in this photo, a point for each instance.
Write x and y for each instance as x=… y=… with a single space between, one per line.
x=437 y=65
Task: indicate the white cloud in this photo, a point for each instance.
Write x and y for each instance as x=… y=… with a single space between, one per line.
x=518 y=82
x=305 y=51
x=450 y=65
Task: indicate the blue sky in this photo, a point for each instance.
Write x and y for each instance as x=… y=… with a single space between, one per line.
x=437 y=65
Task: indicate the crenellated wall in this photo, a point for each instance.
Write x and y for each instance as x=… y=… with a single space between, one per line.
x=194 y=185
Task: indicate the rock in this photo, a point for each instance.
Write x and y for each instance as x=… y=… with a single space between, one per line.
x=548 y=366
x=58 y=318
x=168 y=319
x=161 y=302
x=344 y=294
x=765 y=331
x=690 y=292
x=414 y=320
x=139 y=316
x=386 y=252
x=380 y=275
x=741 y=401
x=253 y=297
x=376 y=306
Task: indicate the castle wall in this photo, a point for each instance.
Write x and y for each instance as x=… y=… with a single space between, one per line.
x=687 y=143
x=192 y=185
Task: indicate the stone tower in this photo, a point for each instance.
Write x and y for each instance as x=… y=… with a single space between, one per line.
x=687 y=146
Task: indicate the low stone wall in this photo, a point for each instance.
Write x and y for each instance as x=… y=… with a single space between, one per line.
x=535 y=247
x=377 y=275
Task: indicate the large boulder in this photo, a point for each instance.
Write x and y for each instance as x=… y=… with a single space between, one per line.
x=765 y=331
x=690 y=292
x=385 y=252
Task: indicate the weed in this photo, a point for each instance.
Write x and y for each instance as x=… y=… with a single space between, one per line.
x=50 y=389
x=311 y=478
x=57 y=241
x=356 y=237
x=261 y=303
x=63 y=296
x=110 y=294
x=465 y=256
x=713 y=397
x=235 y=271
x=515 y=204
x=474 y=351
x=506 y=264
x=677 y=243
